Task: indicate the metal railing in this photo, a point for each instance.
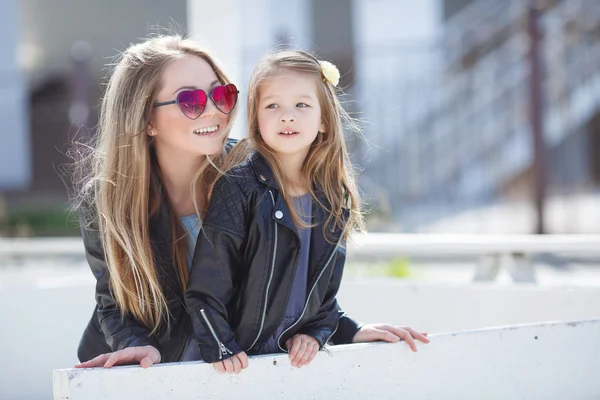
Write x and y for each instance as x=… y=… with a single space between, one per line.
x=492 y=251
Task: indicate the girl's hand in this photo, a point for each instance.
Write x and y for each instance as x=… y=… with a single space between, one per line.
x=145 y=355
x=302 y=348
x=233 y=365
x=388 y=333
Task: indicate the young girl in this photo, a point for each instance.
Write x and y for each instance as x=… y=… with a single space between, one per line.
x=270 y=256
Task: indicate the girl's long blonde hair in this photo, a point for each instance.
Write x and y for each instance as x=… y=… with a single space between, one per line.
x=117 y=178
x=327 y=167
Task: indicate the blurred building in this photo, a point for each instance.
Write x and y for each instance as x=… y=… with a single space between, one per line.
x=466 y=141
x=441 y=85
x=15 y=170
x=56 y=55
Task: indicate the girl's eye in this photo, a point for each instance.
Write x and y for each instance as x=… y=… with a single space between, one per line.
x=301 y=105
x=272 y=106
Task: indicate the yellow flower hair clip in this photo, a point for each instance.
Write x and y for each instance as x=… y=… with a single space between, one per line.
x=330 y=72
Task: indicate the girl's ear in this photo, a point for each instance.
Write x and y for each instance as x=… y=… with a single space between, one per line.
x=322 y=127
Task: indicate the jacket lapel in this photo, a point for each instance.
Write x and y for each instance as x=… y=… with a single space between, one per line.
x=162 y=240
x=320 y=246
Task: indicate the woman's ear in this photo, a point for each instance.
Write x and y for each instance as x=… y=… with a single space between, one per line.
x=150 y=130
x=322 y=127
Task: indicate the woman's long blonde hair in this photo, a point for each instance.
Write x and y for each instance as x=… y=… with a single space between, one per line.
x=327 y=167
x=118 y=179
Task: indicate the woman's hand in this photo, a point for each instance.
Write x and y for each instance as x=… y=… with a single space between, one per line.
x=389 y=333
x=145 y=355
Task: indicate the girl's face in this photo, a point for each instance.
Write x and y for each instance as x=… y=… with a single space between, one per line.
x=289 y=113
x=172 y=130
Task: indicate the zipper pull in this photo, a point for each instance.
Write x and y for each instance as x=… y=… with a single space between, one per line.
x=222 y=347
x=224 y=350
x=326 y=350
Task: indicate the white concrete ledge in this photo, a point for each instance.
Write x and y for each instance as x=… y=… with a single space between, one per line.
x=444 y=307
x=550 y=360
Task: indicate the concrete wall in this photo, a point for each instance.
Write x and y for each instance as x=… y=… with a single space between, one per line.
x=538 y=361
x=446 y=307
x=58 y=304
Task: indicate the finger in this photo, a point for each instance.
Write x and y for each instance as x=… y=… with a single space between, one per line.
x=386 y=335
x=100 y=360
x=243 y=359
x=237 y=364
x=131 y=355
x=300 y=354
x=416 y=335
x=154 y=354
x=114 y=358
x=296 y=342
x=288 y=344
x=146 y=362
x=307 y=353
x=94 y=362
x=396 y=330
x=219 y=367
x=406 y=336
x=228 y=365
x=313 y=354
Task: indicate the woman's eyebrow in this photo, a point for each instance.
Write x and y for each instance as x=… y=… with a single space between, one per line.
x=191 y=87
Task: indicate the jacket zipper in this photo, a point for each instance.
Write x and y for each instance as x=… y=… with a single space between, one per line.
x=311 y=291
x=264 y=313
x=223 y=350
x=325 y=349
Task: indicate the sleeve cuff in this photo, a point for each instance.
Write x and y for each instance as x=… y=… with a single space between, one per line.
x=139 y=342
x=347 y=328
x=212 y=354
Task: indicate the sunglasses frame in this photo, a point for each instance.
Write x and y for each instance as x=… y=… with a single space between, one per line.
x=208 y=95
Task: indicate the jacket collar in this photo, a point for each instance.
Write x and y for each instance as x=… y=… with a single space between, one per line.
x=262 y=169
x=264 y=174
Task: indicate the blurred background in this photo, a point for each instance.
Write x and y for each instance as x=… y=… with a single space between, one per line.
x=481 y=116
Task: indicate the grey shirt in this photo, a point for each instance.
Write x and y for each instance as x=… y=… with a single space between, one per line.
x=192 y=225
x=297 y=298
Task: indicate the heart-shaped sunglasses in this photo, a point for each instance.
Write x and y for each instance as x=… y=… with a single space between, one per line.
x=192 y=103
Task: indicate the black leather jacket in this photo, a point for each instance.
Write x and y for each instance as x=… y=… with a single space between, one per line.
x=245 y=262
x=108 y=330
